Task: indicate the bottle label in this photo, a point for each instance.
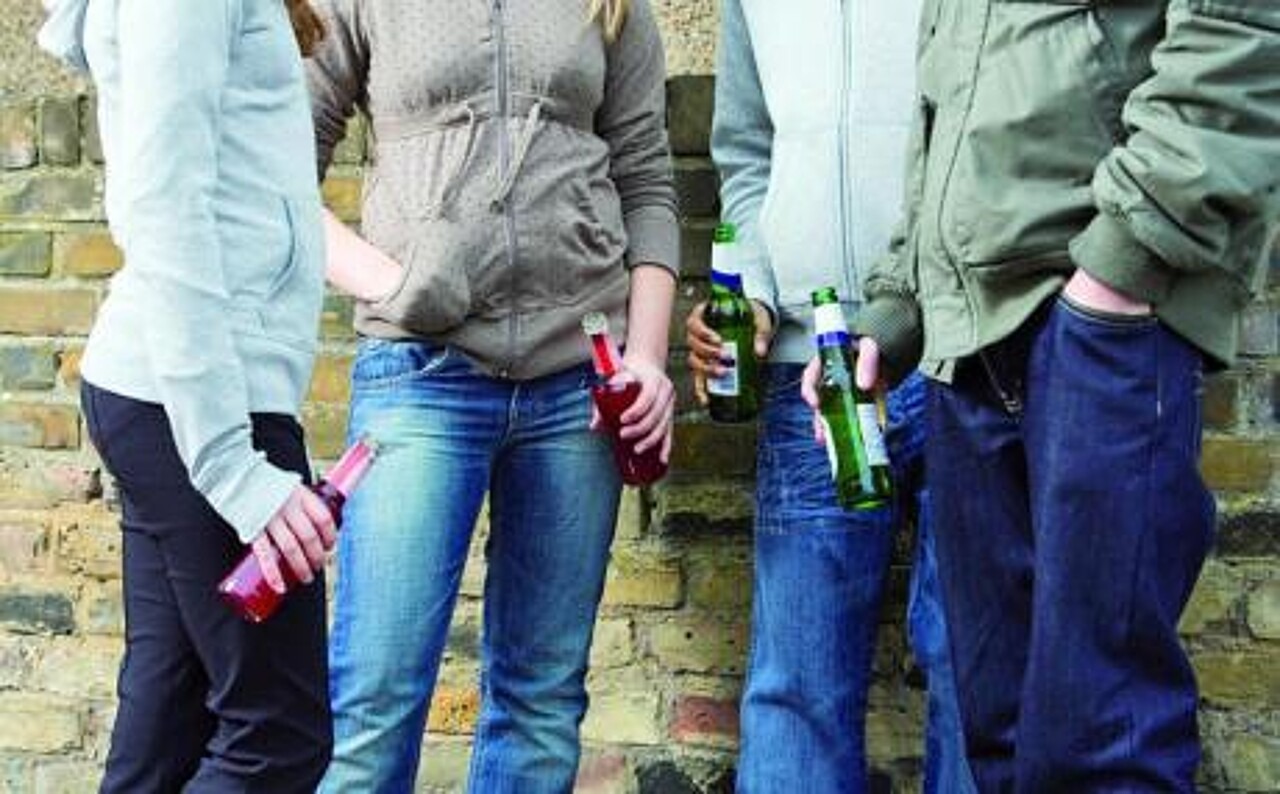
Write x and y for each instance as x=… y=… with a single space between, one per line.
x=722 y=258
x=872 y=435
x=726 y=385
x=828 y=319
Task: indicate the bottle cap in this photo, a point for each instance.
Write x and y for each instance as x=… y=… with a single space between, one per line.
x=594 y=323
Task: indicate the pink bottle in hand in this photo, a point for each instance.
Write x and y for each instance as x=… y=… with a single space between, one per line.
x=245 y=589
x=614 y=392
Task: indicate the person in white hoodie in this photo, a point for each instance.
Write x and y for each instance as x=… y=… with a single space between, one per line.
x=193 y=377
x=811 y=153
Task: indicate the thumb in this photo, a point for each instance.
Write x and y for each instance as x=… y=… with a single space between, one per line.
x=762 y=342
x=868 y=369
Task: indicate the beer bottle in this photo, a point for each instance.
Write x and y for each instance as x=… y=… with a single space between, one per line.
x=850 y=415
x=733 y=396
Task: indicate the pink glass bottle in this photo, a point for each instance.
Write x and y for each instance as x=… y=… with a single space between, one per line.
x=245 y=589
x=614 y=392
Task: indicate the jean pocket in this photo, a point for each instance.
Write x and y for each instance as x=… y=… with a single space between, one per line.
x=385 y=363
x=1106 y=319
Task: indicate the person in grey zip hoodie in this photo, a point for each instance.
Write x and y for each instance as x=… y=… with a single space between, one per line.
x=520 y=179
x=810 y=156
x=193 y=377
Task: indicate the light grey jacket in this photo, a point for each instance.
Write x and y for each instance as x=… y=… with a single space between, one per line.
x=814 y=101
x=520 y=167
x=212 y=196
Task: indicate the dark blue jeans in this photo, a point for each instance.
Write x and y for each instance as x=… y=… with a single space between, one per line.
x=1065 y=462
x=819 y=576
x=209 y=703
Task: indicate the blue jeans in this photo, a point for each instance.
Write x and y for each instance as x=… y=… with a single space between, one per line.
x=819 y=576
x=449 y=435
x=1065 y=461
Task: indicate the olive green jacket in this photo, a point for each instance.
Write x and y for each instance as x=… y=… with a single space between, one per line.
x=1137 y=140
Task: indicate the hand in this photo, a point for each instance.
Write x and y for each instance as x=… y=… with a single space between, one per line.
x=704 y=345
x=867 y=375
x=1091 y=293
x=300 y=534
x=649 y=419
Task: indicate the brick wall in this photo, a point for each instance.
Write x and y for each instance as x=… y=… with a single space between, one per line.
x=670 y=644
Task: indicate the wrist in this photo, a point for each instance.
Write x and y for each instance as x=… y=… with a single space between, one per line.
x=1086 y=289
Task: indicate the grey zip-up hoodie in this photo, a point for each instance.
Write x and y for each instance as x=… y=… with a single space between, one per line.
x=813 y=106
x=212 y=196
x=520 y=166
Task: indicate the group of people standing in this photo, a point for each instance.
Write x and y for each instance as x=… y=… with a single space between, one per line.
x=1052 y=212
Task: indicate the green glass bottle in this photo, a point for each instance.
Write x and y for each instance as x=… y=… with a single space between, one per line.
x=733 y=396
x=851 y=416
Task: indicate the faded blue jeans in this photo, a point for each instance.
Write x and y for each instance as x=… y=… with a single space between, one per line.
x=449 y=436
x=819 y=576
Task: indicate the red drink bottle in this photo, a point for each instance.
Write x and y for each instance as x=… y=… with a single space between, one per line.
x=613 y=394
x=245 y=589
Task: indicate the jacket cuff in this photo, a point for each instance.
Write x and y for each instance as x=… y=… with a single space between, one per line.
x=255 y=498
x=893 y=320
x=653 y=238
x=1110 y=253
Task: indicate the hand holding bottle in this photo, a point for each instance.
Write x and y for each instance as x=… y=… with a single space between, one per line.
x=299 y=535
x=648 y=421
x=866 y=374
x=705 y=345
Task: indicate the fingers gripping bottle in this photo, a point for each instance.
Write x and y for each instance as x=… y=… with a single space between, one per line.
x=850 y=415
x=614 y=391
x=733 y=396
x=245 y=589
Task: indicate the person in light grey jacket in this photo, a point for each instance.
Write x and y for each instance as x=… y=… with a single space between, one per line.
x=811 y=153
x=193 y=378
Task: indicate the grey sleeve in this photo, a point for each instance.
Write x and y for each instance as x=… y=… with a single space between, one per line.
x=742 y=147
x=337 y=76
x=632 y=120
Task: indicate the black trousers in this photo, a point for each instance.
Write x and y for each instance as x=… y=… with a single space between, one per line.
x=208 y=701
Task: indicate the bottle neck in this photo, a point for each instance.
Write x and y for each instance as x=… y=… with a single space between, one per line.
x=351 y=467
x=604 y=355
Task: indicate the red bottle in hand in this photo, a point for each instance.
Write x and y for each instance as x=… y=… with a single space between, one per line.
x=614 y=392
x=245 y=589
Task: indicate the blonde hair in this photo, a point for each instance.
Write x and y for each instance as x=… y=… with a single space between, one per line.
x=307 y=25
x=611 y=14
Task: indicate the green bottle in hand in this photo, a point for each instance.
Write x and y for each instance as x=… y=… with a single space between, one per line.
x=851 y=416
x=733 y=396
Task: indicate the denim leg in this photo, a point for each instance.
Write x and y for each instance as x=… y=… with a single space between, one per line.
x=945 y=769
x=401 y=552
x=977 y=483
x=553 y=507
x=1122 y=524
x=819 y=575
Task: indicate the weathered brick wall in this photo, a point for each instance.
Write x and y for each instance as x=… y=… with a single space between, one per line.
x=670 y=644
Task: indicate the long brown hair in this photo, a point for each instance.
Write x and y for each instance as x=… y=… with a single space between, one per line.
x=611 y=14
x=307 y=25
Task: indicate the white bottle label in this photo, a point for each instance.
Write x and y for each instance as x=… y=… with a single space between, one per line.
x=722 y=259
x=829 y=319
x=727 y=384
x=872 y=435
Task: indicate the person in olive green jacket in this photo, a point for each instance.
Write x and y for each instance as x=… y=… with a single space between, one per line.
x=1093 y=194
